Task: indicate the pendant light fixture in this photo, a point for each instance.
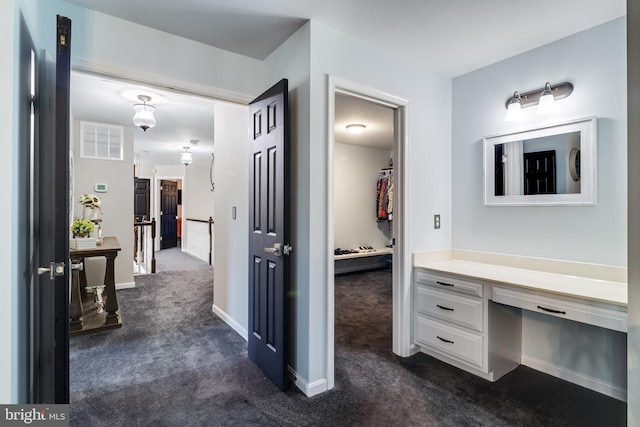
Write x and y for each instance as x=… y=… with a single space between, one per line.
x=144 y=113
x=186 y=158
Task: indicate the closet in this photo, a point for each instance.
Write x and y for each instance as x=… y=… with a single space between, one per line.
x=363 y=208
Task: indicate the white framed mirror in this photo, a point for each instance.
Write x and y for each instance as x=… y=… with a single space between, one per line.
x=550 y=165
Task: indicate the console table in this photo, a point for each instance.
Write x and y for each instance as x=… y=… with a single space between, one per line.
x=83 y=316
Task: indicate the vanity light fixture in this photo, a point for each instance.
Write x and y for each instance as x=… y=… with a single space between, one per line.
x=544 y=98
x=186 y=158
x=356 y=128
x=144 y=113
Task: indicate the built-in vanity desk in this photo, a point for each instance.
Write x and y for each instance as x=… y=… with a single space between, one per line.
x=468 y=306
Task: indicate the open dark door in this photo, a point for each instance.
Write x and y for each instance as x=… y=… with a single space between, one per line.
x=49 y=217
x=269 y=232
x=168 y=214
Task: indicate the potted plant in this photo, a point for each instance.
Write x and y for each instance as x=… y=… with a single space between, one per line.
x=80 y=229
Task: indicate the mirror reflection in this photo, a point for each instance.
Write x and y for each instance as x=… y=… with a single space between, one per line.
x=546 y=165
x=549 y=165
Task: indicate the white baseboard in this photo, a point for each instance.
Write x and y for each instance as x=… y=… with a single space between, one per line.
x=309 y=389
x=126 y=285
x=230 y=321
x=576 y=378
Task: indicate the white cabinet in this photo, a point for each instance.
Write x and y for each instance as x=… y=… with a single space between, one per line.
x=451 y=322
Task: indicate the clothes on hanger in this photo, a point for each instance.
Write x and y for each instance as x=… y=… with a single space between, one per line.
x=384 y=196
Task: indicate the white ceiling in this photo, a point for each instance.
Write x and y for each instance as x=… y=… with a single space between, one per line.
x=378 y=120
x=450 y=36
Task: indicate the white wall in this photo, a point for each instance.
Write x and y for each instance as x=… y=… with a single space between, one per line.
x=356 y=172
x=197 y=197
x=9 y=310
x=117 y=204
x=594 y=61
x=292 y=61
x=429 y=188
x=230 y=251
x=113 y=45
x=633 y=308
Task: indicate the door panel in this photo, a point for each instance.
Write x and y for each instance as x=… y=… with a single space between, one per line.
x=142 y=197
x=540 y=172
x=269 y=233
x=49 y=316
x=169 y=214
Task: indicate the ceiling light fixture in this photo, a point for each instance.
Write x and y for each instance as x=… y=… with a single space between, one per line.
x=186 y=158
x=356 y=128
x=144 y=113
x=545 y=98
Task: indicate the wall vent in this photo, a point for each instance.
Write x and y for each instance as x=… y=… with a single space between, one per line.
x=101 y=141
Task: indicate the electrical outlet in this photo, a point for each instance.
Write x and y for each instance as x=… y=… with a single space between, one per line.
x=436 y=221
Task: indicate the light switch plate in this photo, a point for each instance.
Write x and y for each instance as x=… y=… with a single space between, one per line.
x=436 y=221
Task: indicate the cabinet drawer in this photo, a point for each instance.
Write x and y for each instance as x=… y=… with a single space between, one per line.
x=585 y=313
x=448 y=283
x=460 y=310
x=454 y=342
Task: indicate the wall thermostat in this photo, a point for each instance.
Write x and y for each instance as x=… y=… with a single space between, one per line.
x=100 y=188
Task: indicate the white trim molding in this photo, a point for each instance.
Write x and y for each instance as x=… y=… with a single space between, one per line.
x=235 y=325
x=309 y=389
x=576 y=378
x=125 y=285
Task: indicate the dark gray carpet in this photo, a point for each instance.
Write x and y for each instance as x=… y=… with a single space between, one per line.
x=174 y=259
x=176 y=364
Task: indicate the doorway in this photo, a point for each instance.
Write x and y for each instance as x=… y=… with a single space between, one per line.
x=401 y=330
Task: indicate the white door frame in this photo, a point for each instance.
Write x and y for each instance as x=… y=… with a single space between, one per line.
x=401 y=261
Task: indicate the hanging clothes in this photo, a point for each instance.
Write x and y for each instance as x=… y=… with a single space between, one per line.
x=384 y=196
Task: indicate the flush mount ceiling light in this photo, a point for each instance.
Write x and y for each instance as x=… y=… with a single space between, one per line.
x=186 y=158
x=356 y=128
x=144 y=113
x=545 y=98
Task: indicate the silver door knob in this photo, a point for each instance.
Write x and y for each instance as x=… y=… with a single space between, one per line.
x=276 y=249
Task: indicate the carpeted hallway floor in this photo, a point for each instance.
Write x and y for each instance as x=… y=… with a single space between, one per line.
x=174 y=363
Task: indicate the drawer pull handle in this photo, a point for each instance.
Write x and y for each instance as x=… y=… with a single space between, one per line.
x=443 y=307
x=443 y=283
x=444 y=340
x=550 y=310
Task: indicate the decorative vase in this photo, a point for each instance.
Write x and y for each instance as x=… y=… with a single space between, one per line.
x=89 y=212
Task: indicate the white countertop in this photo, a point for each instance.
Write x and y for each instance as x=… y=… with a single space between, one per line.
x=574 y=286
